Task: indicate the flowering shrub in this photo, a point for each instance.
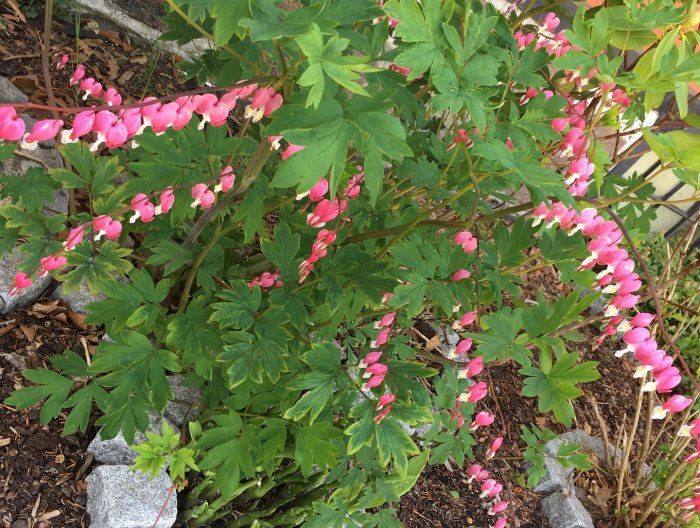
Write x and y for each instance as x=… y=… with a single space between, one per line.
x=354 y=167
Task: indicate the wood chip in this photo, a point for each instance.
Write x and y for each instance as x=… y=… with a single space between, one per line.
x=49 y=515
x=125 y=77
x=113 y=69
x=29 y=332
x=4 y=442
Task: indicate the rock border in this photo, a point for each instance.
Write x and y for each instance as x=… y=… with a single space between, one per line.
x=117 y=16
x=561 y=506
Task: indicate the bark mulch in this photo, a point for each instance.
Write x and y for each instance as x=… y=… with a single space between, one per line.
x=41 y=472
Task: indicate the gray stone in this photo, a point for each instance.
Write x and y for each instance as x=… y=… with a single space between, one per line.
x=448 y=341
x=180 y=412
x=8 y=268
x=9 y=93
x=116 y=451
x=556 y=477
x=564 y=510
x=598 y=305
x=120 y=498
x=77 y=300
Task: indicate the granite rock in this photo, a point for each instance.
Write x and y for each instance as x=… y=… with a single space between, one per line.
x=116 y=451
x=564 y=510
x=120 y=498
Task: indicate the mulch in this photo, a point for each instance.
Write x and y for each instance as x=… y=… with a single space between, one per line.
x=41 y=472
x=115 y=58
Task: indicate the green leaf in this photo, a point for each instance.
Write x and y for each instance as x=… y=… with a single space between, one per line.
x=283 y=251
x=239 y=306
x=81 y=403
x=556 y=388
x=33 y=189
x=394 y=443
x=92 y=264
x=49 y=386
x=226 y=15
x=315 y=400
x=173 y=255
x=316 y=445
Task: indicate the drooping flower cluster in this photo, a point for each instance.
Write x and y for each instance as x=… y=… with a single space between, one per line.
x=114 y=129
x=267 y=280
x=325 y=211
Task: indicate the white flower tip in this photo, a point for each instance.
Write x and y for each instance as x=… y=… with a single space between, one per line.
x=649 y=386
x=611 y=311
x=659 y=413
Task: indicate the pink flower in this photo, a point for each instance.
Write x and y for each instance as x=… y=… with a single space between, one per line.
x=62 y=62
x=75 y=237
x=274 y=141
x=228 y=178
x=474 y=368
x=51 y=263
x=559 y=123
x=82 y=125
x=550 y=22
x=386 y=320
x=498 y=507
x=355 y=185
x=290 y=150
x=104 y=226
x=474 y=472
x=167 y=199
x=91 y=88
x=375 y=369
x=319 y=190
x=460 y=275
x=494 y=447
x=41 y=131
x=381 y=339
x=674 y=404
x=11 y=125
x=142 y=208
x=482 y=419
x=21 y=282
x=474 y=393
x=324 y=212
x=465 y=320
x=370 y=359
x=463 y=346
x=374 y=381
x=78 y=74
x=466 y=240
x=385 y=400
x=112 y=97
x=202 y=196
x=501 y=522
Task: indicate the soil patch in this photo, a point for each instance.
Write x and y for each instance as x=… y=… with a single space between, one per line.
x=41 y=473
x=148 y=11
x=115 y=58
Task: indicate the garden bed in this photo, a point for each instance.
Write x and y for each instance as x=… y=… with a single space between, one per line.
x=42 y=483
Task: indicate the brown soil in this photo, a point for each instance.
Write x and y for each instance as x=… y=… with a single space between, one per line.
x=113 y=57
x=41 y=472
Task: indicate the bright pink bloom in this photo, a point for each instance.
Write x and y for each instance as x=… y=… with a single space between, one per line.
x=355 y=185
x=385 y=400
x=474 y=393
x=82 y=125
x=21 y=282
x=482 y=419
x=75 y=237
x=474 y=472
x=642 y=319
x=382 y=338
x=374 y=381
x=319 y=190
x=11 y=125
x=501 y=522
x=112 y=97
x=51 y=263
x=78 y=74
x=228 y=178
x=460 y=275
x=42 y=131
x=324 y=212
x=167 y=199
x=498 y=507
x=466 y=319
x=475 y=366
x=494 y=447
x=62 y=62
x=559 y=123
x=370 y=359
x=290 y=150
x=91 y=88
x=386 y=320
x=202 y=196
x=375 y=369
x=550 y=22
x=463 y=346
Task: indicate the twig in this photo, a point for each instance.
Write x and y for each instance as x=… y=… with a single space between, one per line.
x=603 y=430
x=171 y=489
